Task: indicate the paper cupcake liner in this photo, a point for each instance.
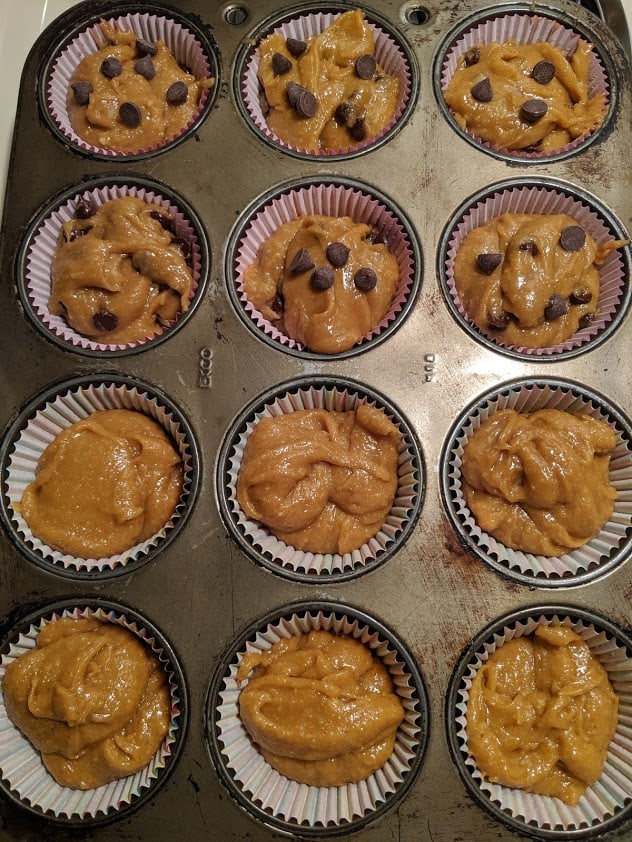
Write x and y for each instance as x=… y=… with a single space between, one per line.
x=274 y=554
x=540 y=197
x=40 y=423
x=390 y=54
x=286 y=804
x=42 y=238
x=601 y=554
x=318 y=196
x=179 y=35
x=23 y=776
x=607 y=801
x=526 y=29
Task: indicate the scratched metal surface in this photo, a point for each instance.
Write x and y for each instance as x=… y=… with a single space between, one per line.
x=202 y=590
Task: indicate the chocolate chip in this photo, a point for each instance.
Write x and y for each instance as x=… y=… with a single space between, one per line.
x=358 y=130
x=81 y=92
x=306 y=105
x=488 y=261
x=75 y=233
x=145 y=67
x=322 y=278
x=572 y=238
x=183 y=245
x=105 y=321
x=111 y=67
x=85 y=207
x=277 y=304
x=145 y=47
x=533 y=110
x=365 y=66
x=586 y=319
x=365 y=279
x=530 y=246
x=499 y=321
x=472 y=56
x=130 y=114
x=482 y=91
x=280 y=64
x=375 y=237
x=543 y=72
x=301 y=262
x=167 y=222
x=177 y=93
x=295 y=47
x=337 y=254
x=293 y=91
x=557 y=306
x=344 y=111
x=581 y=296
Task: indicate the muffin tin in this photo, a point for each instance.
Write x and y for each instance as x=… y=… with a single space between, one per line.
x=204 y=590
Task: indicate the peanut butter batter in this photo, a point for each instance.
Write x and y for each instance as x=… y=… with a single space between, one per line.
x=321 y=709
x=322 y=302
x=541 y=714
x=530 y=280
x=321 y=481
x=539 y=482
x=120 y=275
x=104 y=484
x=123 y=98
x=92 y=698
x=350 y=99
x=524 y=96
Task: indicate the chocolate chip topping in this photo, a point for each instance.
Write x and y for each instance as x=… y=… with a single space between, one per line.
x=488 y=261
x=145 y=48
x=145 y=67
x=277 y=304
x=581 y=296
x=177 y=93
x=322 y=278
x=130 y=114
x=358 y=130
x=85 y=208
x=81 y=92
x=365 y=279
x=482 y=91
x=306 y=104
x=499 y=321
x=183 y=245
x=543 y=72
x=337 y=254
x=530 y=246
x=301 y=262
x=375 y=237
x=344 y=111
x=111 y=67
x=472 y=56
x=586 y=319
x=167 y=222
x=572 y=238
x=295 y=47
x=105 y=321
x=365 y=66
x=75 y=233
x=557 y=306
x=293 y=91
x=533 y=110
x=280 y=64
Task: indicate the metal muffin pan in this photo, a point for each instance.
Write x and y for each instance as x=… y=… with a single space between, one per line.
x=203 y=588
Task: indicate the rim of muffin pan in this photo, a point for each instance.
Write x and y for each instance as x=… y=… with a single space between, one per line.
x=69 y=25
x=413 y=734
x=608 y=637
x=168 y=414
x=601 y=50
x=590 y=337
x=274 y=555
x=51 y=216
x=405 y=237
x=91 y=807
x=248 y=48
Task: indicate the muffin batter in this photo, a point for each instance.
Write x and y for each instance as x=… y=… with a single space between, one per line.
x=104 y=484
x=539 y=482
x=327 y=93
x=541 y=714
x=324 y=281
x=321 y=708
x=321 y=481
x=92 y=698
x=524 y=96
x=119 y=274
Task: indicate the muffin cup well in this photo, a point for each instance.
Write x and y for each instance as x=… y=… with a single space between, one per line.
x=43 y=419
x=329 y=197
x=23 y=778
x=310 y=811
x=599 y=556
x=543 y=196
x=272 y=553
x=40 y=241
x=604 y=804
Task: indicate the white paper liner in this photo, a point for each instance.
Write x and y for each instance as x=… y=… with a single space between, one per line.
x=614 y=789
x=44 y=241
x=407 y=496
x=300 y=803
x=21 y=766
x=182 y=43
x=546 y=201
x=326 y=200
x=388 y=55
x=612 y=536
x=69 y=406
x=527 y=29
